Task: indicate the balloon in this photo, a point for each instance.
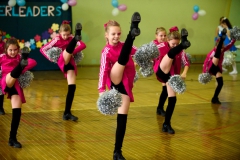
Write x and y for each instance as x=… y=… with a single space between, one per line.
x=21 y=2
x=196 y=8
x=115 y=12
x=122 y=7
x=202 y=12
x=64 y=1
x=115 y=3
x=195 y=16
x=12 y=3
x=72 y=2
x=65 y=6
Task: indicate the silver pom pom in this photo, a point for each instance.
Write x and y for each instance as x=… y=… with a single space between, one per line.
x=136 y=77
x=25 y=79
x=152 y=50
x=109 y=102
x=147 y=69
x=228 y=58
x=144 y=56
x=0 y=74
x=235 y=33
x=78 y=57
x=177 y=84
x=204 y=78
x=53 y=54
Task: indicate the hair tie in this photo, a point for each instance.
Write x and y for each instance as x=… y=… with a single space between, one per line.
x=66 y=22
x=105 y=25
x=174 y=28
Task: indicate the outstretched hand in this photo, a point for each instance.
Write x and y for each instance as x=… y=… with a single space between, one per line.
x=183 y=75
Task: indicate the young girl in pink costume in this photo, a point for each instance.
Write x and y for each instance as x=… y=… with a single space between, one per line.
x=2 y=43
x=117 y=70
x=213 y=63
x=180 y=58
x=69 y=46
x=167 y=65
x=13 y=65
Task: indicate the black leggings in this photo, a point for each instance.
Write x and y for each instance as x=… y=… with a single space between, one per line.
x=120 y=87
x=214 y=69
x=68 y=67
x=11 y=91
x=164 y=77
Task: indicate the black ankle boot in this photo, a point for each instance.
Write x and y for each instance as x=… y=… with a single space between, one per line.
x=14 y=143
x=168 y=128
x=136 y=18
x=185 y=43
x=161 y=112
x=25 y=53
x=70 y=116
x=117 y=155
x=2 y=112
x=215 y=101
x=78 y=29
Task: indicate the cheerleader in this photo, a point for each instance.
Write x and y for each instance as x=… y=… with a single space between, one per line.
x=13 y=65
x=117 y=70
x=226 y=24
x=166 y=65
x=213 y=63
x=182 y=58
x=2 y=43
x=64 y=44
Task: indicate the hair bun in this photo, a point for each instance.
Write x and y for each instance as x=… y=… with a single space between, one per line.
x=66 y=22
x=174 y=28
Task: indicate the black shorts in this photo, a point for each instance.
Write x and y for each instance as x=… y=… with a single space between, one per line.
x=164 y=77
x=120 y=87
x=68 y=67
x=11 y=91
x=214 y=69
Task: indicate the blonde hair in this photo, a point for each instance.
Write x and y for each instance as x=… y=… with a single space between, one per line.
x=11 y=41
x=110 y=23
x=65 y=28
x=160 y=29
x=173 y=35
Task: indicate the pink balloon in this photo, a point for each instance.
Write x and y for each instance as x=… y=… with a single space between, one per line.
x=195 y=16
x=122 y=7
x=72 y=2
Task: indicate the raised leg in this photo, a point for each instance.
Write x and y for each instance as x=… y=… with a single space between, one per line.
x=118 y=68
x=67 y=53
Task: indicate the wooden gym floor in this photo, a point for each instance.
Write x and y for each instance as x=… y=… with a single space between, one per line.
x=203 y=131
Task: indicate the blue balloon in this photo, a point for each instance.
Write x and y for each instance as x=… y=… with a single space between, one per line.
x=196 y=8
x=64 y=1
x=21 y=2
x=115 y=3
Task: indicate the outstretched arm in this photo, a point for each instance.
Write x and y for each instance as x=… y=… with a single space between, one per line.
x=104 y=72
